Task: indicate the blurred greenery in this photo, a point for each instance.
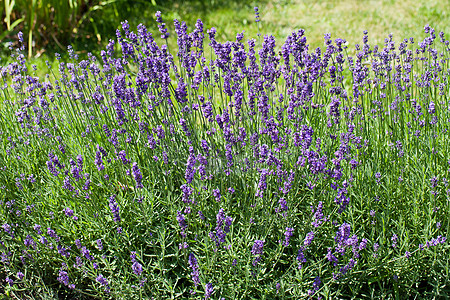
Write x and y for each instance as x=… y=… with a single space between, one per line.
x=50 y=25
x=89 y=24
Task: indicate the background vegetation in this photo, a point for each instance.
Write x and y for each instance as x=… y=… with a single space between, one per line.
x=89 y=24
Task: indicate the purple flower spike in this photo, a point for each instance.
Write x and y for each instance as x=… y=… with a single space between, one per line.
x=193 y=264
x=182 y=223
x=114 y=208
x=20 y=275
x=209 y=290
x=99 y=244
x=63 y=277
x=309 y=238
x=9 y=281
x=216 y=193
x=137 y=268
x=98 y=161
x=288 y=234
x=103 y=281
x=161 y=26
x=257 y=14
x=257 y=250
x=137 y=176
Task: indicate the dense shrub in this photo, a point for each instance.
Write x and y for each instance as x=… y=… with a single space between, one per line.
x=261 y=172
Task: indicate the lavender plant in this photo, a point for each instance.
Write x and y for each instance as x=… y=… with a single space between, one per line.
x=233 y=169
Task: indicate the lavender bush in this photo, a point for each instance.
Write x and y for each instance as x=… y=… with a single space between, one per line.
x=228 y=170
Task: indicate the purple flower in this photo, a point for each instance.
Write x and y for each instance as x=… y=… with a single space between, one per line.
x=102 y=280
x=7 y=228
x=308 y=239
x=99 y=244
x=288 y=184
x=181 y=92
x=209 y=290
x=193 y=264
x=20 y=275
x=137 y=268
x=78 y=244
x=142 y=282
x=190 y=170
x=257 y=250
x=223 y=224
x=98 y=161
x=363 y=244
x=318 y=215
x=434 y=182
x=161 y=26
x=394 y=241
x=343 y=233
x=64 y=251
x=68 y=212
x=114 y=208
x=53 y=234
x=431 y=109
x=63 y=277
x=288 y=234
x=31 y=178
x=137 y=176
x=78 y=262
x=256 y=14
x=75 y=172
x=9 y=281
x=348 y=266
x=316 y=285
x=183 y=245
x=283 y=205
x=257 y=247
x=301 y=257
x=182 y=223
x=86 y=253
x=123 y=156
x=52 y=168
x=331 y=258
x=67 y=184
x=80 y=162
x=133 y=256
x=187 y=192
x=216 y=193
x=262 y=184
x=378 y=177
x=106 y=130
x=376 y=246
x=87 y=183
x=185 y=127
